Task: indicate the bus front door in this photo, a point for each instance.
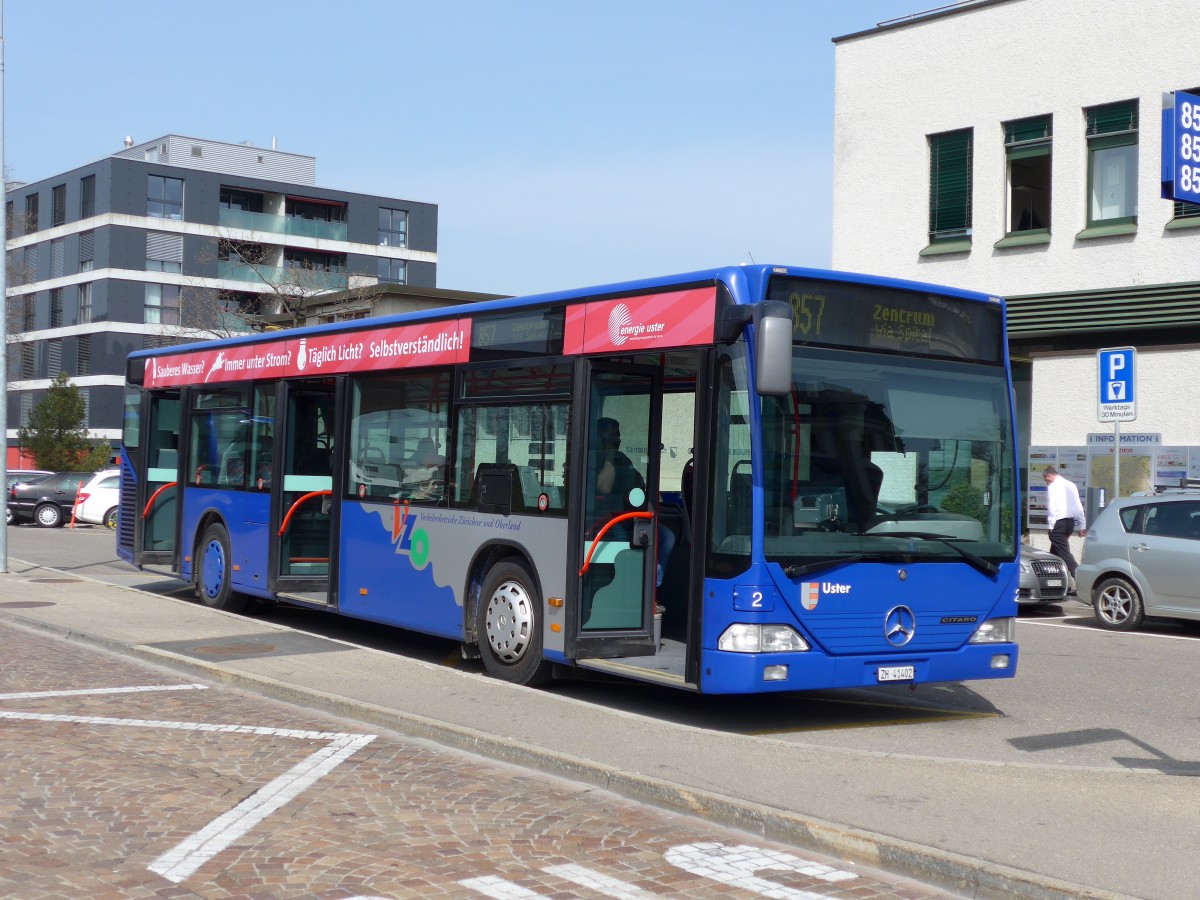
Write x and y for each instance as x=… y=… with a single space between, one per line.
x=304 y=502
x=157 y=506
x=613 y=511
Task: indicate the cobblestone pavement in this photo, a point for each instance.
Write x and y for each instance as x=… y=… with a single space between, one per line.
x=121 y=780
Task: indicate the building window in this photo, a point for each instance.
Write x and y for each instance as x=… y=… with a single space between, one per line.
x=56 y=308
x=393 y=228
x=54 y=356
x=58 y=204
x=29 y=312
x=164 y=252
x=1112 y=133
x=87 y=251
x=315 y=210
x=8 y=218
x=28 y=365
x=317 y=262
x=950 y=186
x=84 y=344
x=164 y=197
x=58 y=257
x=31 y=213
x=1027 y=158
x=246 y=201
x=85 y=303
x=162 y=304
x=87 y=197
x=393 y=270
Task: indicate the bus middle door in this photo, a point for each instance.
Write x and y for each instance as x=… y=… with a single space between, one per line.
x=614 y=512
x=305 y=503
x=156 y=512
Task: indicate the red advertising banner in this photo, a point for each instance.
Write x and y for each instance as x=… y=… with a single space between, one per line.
x=396 y=347
x=672 y=319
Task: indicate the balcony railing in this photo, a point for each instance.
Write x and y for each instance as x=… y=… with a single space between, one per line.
x=303 y=280
x=290 y=225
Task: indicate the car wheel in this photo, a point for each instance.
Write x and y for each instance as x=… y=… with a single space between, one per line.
x=1118 y=605
x=509 y=626
x=214 y=571
x=8 y=516
x=48 y=515
x=110 y=519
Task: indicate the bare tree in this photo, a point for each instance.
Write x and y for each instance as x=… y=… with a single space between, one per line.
x=282 y=289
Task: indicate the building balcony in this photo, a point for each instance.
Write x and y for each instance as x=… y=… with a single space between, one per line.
x=302 y=280
x=289 y=225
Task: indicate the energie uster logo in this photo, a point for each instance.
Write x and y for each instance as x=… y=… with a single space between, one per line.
x=618 y=320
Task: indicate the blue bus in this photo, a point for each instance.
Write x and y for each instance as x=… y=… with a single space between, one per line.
x=748 y=479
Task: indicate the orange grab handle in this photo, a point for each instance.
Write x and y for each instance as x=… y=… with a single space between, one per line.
x=308 y=496
x=154 y=496
x=607 y=525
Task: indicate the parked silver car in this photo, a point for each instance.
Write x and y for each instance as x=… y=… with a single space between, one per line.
x=1043 y=578
x=1141 y=557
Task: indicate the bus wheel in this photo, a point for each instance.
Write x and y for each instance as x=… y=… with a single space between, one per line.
x=510 y=626
x=214 y=571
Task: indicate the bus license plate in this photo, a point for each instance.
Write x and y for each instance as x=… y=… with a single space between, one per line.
x=897 y=673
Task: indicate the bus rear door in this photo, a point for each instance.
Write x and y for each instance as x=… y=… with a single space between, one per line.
x=157 y=506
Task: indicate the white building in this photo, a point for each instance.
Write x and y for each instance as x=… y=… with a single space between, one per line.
x=1013 y=147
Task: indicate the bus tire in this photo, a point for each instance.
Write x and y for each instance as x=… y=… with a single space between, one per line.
x=214 y=571
x=509 y=626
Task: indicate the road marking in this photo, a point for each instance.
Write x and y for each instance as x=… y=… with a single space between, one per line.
x=190 y=854
x=491 y=886
x=598 y=882
x=736 y=867
x=30 y=695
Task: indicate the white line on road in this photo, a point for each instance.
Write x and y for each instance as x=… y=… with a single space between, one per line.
x=498 y=888
x=598 y=882
x=189 y=855
x=31 y=695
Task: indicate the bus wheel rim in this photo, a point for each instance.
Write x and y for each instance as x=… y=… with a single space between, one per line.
x=214 y=569
x=509 y=622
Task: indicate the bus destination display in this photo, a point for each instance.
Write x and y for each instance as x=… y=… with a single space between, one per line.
x=895 y=321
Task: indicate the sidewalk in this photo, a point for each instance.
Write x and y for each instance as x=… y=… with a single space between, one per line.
x=881 y=810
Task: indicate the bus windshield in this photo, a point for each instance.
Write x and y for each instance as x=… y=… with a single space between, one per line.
x=887 y=457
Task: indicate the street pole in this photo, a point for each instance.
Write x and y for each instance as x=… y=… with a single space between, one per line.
x=3 y=312
x=1117 y=461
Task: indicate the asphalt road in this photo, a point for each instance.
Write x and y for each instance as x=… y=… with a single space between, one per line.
x=1083 y=696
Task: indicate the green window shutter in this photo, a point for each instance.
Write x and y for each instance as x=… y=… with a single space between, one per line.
x=1113 y=117
x=1185 y=210
x=949 y=184
x=1037 y=128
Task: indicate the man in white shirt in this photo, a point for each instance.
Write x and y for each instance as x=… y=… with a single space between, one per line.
x=1063 y=513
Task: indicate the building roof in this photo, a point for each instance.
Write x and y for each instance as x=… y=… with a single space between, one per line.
x=920 y=18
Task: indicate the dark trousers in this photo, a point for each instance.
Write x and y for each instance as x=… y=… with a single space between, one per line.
x=1060 y=543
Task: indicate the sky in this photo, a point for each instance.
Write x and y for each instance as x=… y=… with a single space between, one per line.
x=565 y=143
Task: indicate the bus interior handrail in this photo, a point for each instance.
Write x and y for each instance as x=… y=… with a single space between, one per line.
x=607 y=525
x=154 y=496
x=299 y=500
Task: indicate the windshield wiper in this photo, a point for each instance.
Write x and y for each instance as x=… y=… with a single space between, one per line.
x=795 y=571
x=977 y=562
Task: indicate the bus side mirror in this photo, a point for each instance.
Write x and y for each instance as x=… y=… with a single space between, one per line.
x=773 y=348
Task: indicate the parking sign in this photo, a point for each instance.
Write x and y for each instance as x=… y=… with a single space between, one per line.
x=1118 y=400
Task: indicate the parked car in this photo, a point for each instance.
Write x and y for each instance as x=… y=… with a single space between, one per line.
x=47 y=501
x=16 y=476
x=1141 y=558
x=1043 y=578
x=97 y=500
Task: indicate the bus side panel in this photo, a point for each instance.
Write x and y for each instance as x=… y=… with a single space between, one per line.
x=197 y=502
x=408 y=566
x=250 y=541
x=128 y=512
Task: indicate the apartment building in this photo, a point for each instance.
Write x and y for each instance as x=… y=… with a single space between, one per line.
x=179 y=239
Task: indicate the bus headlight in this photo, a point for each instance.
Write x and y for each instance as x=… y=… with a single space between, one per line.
x=743 y=638
x=995 y=631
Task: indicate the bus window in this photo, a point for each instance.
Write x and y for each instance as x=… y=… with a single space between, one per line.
x=398 y=436
x=730 y=515
x=219 y=435
x=531 y=437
